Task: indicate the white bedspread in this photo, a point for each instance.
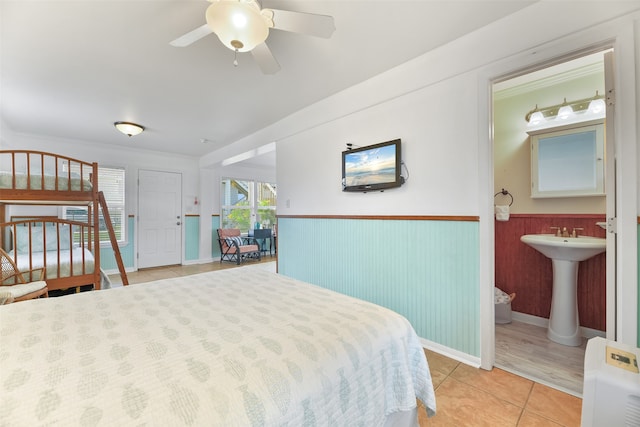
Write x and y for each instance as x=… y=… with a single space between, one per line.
x=238 y=347
x=67 y=267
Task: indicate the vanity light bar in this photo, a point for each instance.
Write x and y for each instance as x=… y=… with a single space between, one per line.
x=594 y=104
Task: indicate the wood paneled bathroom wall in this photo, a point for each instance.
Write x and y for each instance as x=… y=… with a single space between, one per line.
x=525 y=271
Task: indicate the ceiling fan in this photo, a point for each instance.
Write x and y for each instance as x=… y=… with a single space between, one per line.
x=243 y=26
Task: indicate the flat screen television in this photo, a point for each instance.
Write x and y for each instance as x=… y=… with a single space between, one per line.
x=372 y=168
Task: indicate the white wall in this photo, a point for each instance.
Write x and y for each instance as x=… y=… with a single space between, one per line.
x=247 y=172
x=441 y=160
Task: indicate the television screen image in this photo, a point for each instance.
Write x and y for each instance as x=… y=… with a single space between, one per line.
x=373 y=167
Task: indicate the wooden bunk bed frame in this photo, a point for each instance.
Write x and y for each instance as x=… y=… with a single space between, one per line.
x=38 y=178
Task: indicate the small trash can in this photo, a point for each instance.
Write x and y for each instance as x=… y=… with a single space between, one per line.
x=502 y=302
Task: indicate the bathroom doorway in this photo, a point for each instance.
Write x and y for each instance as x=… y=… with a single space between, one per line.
x=522 y=346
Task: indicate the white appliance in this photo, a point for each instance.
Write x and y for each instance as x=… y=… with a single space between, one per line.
x=611 y=392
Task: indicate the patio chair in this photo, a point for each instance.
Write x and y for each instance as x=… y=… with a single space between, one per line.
x=233 y=248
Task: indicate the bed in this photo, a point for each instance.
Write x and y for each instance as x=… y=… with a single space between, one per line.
x=28 y=176
x=64 y=247
x=24 y=181
x=237 y=347
x=38 y=178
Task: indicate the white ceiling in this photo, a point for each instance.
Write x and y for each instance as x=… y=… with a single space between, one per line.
x=69 y=69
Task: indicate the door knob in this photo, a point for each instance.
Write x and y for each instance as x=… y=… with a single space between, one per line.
x=178 y=223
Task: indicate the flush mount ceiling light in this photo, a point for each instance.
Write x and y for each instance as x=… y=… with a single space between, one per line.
x=129 y=128
x=575 y=111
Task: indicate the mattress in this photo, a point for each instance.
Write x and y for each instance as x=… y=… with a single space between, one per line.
x=237 y=347
x=75 y=183
x=70 y=262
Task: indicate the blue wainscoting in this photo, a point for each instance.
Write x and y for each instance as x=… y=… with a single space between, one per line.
x=108 y=259
x=426 y=270
x=191 y=237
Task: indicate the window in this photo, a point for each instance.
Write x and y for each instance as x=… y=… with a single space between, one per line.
x=111 y=183
x=266 y=204
x=245 y=203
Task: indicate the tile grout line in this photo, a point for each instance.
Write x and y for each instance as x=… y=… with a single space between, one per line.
x=526 y=402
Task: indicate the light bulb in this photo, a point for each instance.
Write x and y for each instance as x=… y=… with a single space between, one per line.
x=536 y=118
x=565 y=112
x=597 y=106
x=239 y=20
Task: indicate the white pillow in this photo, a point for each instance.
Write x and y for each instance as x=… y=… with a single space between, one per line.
x=37 y=238
x=64 y=238
x=22 y=239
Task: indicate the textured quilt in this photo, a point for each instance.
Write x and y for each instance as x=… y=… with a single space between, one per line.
x=238 y=347
x=35 y=183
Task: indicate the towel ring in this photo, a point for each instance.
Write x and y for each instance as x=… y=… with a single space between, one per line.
x=504 y=193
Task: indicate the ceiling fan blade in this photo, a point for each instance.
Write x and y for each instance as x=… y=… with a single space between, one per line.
x=265 y=59
x=304 y=23
x=192 y=36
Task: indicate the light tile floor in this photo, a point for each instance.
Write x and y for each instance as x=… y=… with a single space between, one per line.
x=465 y=396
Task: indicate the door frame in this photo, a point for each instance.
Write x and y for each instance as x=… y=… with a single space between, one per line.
x=619 y=36
x=612 y=195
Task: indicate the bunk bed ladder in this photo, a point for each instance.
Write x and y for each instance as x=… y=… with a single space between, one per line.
x=112 y=237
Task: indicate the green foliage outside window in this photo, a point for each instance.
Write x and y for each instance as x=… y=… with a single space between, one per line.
x=266 y=216
x=238 y=217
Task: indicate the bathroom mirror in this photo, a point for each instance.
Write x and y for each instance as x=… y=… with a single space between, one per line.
x=568 y=161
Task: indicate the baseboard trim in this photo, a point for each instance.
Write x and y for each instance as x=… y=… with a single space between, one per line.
x=587 y=333
x=451 y=353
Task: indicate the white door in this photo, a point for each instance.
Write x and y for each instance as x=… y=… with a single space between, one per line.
x=159 y=218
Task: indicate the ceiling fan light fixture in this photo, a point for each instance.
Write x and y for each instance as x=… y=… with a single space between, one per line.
x=128 y=128
x=239 y=24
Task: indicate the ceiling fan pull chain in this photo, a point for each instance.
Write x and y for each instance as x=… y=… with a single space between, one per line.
x=235 y=58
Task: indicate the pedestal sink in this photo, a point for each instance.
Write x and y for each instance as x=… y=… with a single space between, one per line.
x=565 y=254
